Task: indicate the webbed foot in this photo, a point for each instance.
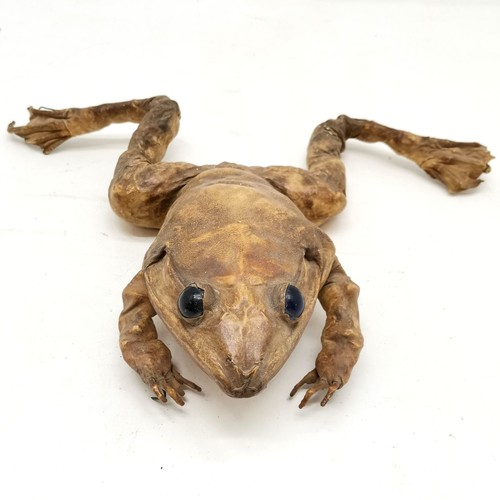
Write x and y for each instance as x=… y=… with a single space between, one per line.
x=457 y=165
x=47 y=128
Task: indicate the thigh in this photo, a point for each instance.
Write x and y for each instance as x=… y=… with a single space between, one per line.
x=318 y=194
x=143 y=188
x=142 y=192
x=319 y=191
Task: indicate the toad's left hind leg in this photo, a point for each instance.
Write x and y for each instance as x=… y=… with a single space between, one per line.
x=320 y=193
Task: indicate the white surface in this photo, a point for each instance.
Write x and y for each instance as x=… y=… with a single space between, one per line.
x=420 y=416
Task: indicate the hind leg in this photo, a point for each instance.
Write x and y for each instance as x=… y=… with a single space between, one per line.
x=141 y=191
x=49 y=128
x=319 y=192
x=142 y=188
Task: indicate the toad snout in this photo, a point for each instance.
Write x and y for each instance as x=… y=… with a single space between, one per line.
x=246 y=380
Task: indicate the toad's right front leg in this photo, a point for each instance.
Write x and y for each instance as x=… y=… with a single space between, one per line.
x=142 y=349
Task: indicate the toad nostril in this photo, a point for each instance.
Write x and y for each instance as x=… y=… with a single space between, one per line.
x=229 y=360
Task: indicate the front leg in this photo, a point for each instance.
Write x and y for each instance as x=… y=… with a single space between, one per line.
x=142 y=349
x=341 y=339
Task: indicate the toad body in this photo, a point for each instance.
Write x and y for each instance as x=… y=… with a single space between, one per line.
x=239 y=260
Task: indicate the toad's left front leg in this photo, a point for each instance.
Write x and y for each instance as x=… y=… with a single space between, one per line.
x=341 y=339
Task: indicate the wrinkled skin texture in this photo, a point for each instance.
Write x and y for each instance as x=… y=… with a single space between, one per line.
x=240 y=236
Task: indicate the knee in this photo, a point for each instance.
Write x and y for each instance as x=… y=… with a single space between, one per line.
x=164 y=101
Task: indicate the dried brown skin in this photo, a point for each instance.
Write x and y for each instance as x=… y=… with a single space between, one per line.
x=241 y=234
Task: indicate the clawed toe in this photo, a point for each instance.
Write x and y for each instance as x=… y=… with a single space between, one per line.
x=172 y=385
x=310 y=378
x=160 y=394
x=318 y=384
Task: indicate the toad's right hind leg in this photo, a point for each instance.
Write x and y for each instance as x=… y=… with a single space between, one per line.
x=142 y=188
x=319 y=192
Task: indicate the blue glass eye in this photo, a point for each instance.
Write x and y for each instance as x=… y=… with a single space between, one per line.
x=294 y=302
x=190 y=302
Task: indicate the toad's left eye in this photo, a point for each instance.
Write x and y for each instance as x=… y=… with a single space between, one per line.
x=190 y=302
x=294 y=302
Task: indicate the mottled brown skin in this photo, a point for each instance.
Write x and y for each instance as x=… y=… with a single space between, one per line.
x=242 y=235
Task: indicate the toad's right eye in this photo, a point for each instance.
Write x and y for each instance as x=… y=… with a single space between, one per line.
x=190 y=302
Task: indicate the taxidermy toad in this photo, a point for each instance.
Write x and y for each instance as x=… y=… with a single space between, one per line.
x=239 y=259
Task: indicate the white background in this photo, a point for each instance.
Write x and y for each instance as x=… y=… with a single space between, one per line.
x=420 y=417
